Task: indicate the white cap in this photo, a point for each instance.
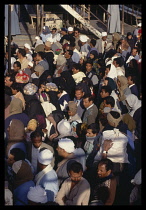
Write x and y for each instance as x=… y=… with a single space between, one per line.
x=66 y=144
x=27 y=46
x=70 y=29
x=30 y=64
x=139 y=25
x=104 y=34
x=45 y=157
x=83 y=38
x=37 y=38
x=37 y=194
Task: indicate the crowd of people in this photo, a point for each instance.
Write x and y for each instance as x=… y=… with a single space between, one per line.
x=73 y=119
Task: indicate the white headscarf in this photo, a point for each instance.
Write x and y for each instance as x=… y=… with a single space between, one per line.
x=37 y=194
x=67 y=145
x=133 y=102
x=113 y=72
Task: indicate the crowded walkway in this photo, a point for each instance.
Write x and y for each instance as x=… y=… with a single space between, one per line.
x=73 y=119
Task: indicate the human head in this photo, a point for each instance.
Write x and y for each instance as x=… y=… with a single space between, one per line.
x=105 y=91
x=32 y=125
x=131 y=79
x=76 y=68
x=83 y=39
x=107 y=70
x=36 y=138
x=54 y=30
x=109 y=81
x=70 y=30
x=75 y=171
x=37 y=195
x=129 y=35
x=48 y=45
x=39 y=69
x=63 y=31
x=93 y=54
x=72 y=106
x=88 y=100
x=40 y=56
x=109 y=101
x=16 y=66
x=92 y=43
x=16 y=106
x=15 y=155
x=104 y=168
x=114 y=118
x=64 y=127
x=68 y=54
x=15 y=88
x=65 y=147
x=104 y=36
x=135 y=51
x=92 y=130
x=122 y=82
x=76 y=32
x=118 y=62
x=79 y=93
x=89 y=65
x=45 y=157
x=27 y=47
x=9 y=80
x=21 y=52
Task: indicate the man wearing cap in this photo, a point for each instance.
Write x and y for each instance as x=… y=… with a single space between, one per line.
x=47 y=177
x=28 y=51
x=71 y=34
x=65 y=37
x=65 y=149
x=85 y=48
x=102 y=43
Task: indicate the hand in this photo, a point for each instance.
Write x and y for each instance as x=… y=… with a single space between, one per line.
x=108 y=143
x=54 y=135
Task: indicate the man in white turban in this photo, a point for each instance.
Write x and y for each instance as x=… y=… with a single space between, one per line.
x=66 y=149
x=47 y=177
x=37 y=194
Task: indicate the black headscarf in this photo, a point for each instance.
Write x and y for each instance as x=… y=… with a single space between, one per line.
x=95 y=53
x=54 y=99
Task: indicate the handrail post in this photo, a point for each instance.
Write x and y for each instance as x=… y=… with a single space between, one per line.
x=9 y=38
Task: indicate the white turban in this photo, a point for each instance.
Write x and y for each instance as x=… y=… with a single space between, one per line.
x=30 y=63
x=83 y=38
x=67 y=145
x=27 y=46
x=64 y=127
x=16 y=166
x=104 y=34
x=37 y=194
x=45 y=157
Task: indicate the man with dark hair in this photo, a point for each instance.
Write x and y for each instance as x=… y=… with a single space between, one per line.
x=104 y=177
x=77 y=38
x=119 y=64
x=79 y=93
x=77 y=73
x=21 y=53
x=91 y=112
x=35 y=146
x=17 y=66
x=132 y=80
x=91 y=74
x=65 y=37
x=92 y=45
x=109 y=101
x=9 y=80
x=40 y=57
x=69 y=62
x=75 y=190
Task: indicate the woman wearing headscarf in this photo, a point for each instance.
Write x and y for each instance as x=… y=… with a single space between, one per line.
x=70 y=83
x=124 y=48
x=22 y=182
x=16 y=112
x=94 y=59
x=130 y=40
x=135 y=111
x=45 y=33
